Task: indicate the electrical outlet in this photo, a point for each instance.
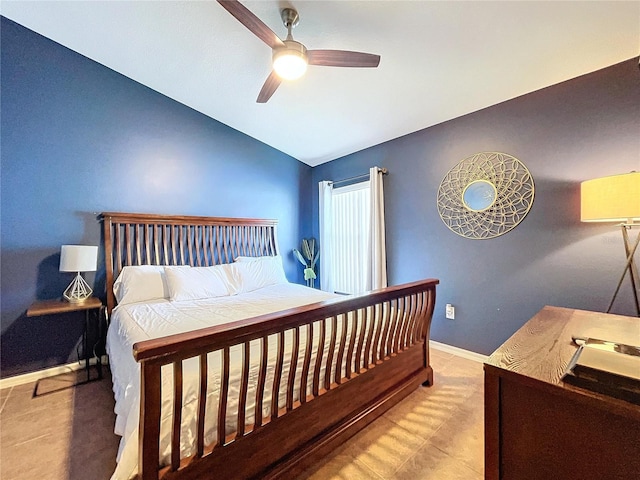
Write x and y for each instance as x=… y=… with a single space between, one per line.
x=450 y=312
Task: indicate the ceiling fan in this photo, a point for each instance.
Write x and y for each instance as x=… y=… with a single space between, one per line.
x=290 y=58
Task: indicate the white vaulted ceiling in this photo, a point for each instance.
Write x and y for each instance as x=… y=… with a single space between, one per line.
x=440 y=60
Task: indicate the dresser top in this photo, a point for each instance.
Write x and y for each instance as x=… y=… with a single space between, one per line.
x=543 y=347
x=539 y=352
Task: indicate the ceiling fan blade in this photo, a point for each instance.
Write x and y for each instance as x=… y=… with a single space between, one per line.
x=342 y=58
x=270 y=85
x=253 y=23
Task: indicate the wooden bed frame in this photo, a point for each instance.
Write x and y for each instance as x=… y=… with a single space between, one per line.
x=385 y=359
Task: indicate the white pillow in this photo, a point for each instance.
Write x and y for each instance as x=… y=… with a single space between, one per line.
x=265 y=258
x=200 y=282
x=142 y=283
x=246 y=259
x=252 y=273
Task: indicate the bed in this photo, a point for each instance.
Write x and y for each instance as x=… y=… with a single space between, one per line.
x=254 y=377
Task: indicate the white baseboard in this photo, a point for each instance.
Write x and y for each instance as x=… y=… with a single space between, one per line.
x=460 y=352
x=50 y=372
x=47 y=372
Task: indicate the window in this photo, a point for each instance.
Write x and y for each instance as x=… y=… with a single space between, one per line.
x=351 y=218
x=352 y=236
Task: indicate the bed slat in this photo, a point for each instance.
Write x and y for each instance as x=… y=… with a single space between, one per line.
x=127 y=242
x=343 y=342
x=304 y=378
x=332 y=347
x=319 y=353
x=219 y=241
x=293 y=365
x=415 y=306
x=388 y=335
x=416 y=321
x=202 y=404
x=371 y=323
x=431 y=300
x=147 y=250
x=411 y=300
x=177 y=415
x=352 y=342
x=384 y=341
x=398 y=325
x=212 y=253
x=191 y=240
x=195 y=247
x=379 y=323
x=403 y=329
x=264 y=350
x=363 y=327
x=118 y=248
x=402 y=323
x=222 y=231
x=224 y=392
x=137 y=229
x=415 y=313
x=277 y=377
x=242 y=401
x=233 y=242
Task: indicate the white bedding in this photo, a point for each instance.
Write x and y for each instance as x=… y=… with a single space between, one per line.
x=141 y=321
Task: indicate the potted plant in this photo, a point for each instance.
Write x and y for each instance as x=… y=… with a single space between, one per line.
x=308 y=258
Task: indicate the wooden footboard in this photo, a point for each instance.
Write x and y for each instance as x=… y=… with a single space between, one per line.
x=350 y=361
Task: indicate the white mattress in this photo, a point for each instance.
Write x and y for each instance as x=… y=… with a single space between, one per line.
x=141 y=321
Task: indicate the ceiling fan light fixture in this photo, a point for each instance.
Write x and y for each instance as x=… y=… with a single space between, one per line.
x=290 y=62
x=290 y=58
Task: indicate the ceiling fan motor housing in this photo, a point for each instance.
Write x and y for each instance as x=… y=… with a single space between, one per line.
x=290 y=17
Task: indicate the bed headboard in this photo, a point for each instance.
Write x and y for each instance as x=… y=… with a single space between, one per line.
x=149 y=239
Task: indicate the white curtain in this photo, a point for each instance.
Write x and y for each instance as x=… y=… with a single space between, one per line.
x=377 y=252
x=326 y=235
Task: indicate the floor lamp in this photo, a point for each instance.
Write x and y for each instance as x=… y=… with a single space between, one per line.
x=616 y=199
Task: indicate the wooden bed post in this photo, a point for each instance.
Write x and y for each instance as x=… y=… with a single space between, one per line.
x=149 y=430
x=108 y=248
x=431 y=298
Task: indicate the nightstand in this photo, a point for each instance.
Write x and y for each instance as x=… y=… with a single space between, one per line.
x=92 y=307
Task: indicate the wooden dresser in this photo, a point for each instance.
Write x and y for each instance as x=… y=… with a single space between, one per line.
x=536 y=426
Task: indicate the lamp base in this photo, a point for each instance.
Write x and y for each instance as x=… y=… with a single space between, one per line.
x=78 y=290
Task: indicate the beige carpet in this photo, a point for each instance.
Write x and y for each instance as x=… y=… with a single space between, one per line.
x=66 y=432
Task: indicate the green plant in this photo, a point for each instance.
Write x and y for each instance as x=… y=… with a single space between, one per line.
x=308 y=257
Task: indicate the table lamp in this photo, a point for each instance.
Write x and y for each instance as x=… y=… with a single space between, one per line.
x=78 y=258
x=616 y=199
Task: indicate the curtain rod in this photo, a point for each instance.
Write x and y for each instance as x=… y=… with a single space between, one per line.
x=383 y=171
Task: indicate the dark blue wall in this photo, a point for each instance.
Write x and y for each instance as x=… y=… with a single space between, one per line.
x=77 y=139
x=580 y=129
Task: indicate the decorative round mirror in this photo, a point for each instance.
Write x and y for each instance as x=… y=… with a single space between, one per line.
x=479 y=195
x=485 y=195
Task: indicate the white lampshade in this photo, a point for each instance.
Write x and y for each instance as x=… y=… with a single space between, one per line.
x=78 y=258
x=611 y=199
